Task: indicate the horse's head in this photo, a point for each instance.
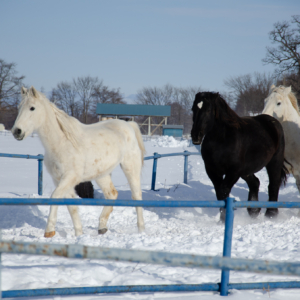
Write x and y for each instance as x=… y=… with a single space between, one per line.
x=30 y=115
x=279 y=103
x=203 y=118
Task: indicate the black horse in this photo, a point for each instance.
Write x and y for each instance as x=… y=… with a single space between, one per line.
x=235 y=147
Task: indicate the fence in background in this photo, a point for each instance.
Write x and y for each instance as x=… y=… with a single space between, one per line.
x=225 y=263
x=40 y=159
x=156 y=156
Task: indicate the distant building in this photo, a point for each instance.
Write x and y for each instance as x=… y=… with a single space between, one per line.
x=173 y=130
x=129 y=111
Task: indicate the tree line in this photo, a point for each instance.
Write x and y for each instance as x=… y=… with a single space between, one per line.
x=246 y=95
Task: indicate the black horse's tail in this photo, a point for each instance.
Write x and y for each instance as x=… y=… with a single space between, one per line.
x=285 y=172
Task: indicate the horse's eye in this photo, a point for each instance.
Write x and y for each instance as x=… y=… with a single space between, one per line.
x=279 y=103
x=32 y=108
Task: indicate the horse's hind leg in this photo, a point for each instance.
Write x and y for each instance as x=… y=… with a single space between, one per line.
x=274 y=169
x=132 y=171
x=109 y=192
x=253 y=184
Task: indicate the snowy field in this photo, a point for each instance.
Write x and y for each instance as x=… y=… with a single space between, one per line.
x=181 y=230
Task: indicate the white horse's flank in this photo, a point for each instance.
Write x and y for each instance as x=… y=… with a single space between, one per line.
x=282 y=105
x=75 y=152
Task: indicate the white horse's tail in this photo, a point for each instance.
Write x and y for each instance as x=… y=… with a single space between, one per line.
x=139 y=138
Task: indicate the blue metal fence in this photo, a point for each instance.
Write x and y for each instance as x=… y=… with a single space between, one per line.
x=40 y=159
x=225 y=263
x=156 y=156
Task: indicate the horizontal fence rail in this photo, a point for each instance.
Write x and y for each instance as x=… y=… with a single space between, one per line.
x=156 y=156
x=225 y=263
x=40 y=159
x=153 y=257
x=144 y=203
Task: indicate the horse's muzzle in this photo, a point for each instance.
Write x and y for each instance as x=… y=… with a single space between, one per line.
x=18 y=134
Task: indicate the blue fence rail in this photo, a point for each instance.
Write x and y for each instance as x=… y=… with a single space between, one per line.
x=40 y=159
x=156 y=156
x=225 y=263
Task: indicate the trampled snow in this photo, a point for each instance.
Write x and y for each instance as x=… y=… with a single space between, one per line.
x=181 y=230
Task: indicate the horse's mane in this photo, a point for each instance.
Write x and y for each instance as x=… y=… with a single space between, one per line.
x=291 y=96
x=67 y=124
x=224 y=113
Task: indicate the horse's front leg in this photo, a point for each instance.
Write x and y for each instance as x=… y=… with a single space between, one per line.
x=217 y=180
x=64 y=188
x=224 y=190
x=50 y=228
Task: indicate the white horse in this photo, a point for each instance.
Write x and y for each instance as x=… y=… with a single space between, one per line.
x=75 y=152
x=282 y=105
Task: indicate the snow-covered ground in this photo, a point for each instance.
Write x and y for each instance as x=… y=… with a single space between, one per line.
x=182 y=230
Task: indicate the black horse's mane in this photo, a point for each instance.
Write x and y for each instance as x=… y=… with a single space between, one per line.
x=223 y=112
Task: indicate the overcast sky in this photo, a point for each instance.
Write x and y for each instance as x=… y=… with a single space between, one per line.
x=132 y=44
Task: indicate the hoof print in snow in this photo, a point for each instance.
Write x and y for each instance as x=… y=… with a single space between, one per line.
x=102 y=231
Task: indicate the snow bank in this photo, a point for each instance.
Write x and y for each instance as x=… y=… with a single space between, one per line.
x=170 y=141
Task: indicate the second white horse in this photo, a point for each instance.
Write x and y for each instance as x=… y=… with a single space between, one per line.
x=282 y=105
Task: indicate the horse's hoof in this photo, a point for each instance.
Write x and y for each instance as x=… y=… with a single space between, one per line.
x=271 y=212
x=49 y=234
x=102 y=231
x=142 y=229
x=253 y=212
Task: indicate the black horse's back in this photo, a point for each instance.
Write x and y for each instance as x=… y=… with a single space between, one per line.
x=235 y=147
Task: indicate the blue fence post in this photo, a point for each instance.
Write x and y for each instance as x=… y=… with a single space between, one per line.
x=40 y=175
x=154 y=172
x=185 y=167
x=227 y=244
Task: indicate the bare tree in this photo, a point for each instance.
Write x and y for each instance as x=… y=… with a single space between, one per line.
x=180 y=100
x=185 y=98
x=155 y=96
x=85 y=88
x=79 y=98
x=65 y=96
x=102 y=94
x=287 y=53
x=248 y=92
x=10 y=84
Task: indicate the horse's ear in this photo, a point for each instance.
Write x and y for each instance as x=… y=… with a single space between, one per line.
x=33 y=92
x=272 y=87
x=287 y=90
x=23 y=90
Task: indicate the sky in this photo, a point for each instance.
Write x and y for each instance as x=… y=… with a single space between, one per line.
x=131 y=44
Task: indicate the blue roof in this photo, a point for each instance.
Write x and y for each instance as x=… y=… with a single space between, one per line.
x=133 y=110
